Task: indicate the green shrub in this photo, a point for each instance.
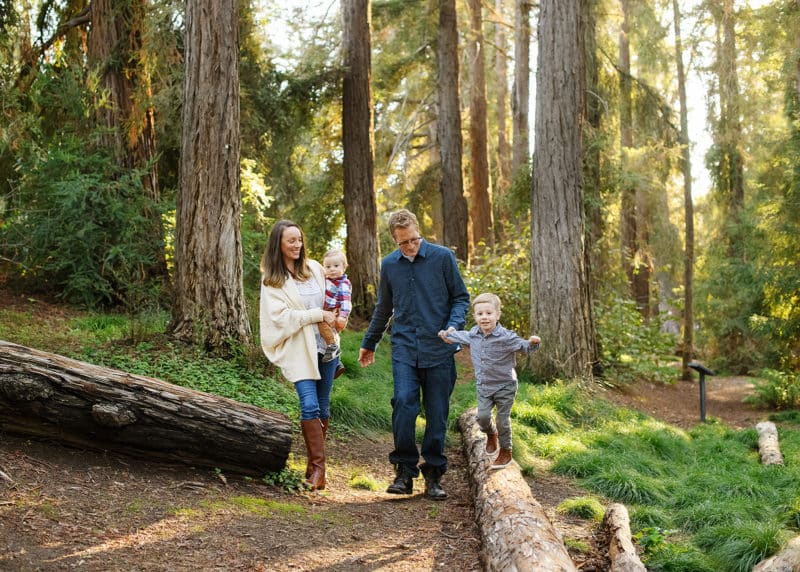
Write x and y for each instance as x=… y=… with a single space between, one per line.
x=588 y=508
x=777 y=389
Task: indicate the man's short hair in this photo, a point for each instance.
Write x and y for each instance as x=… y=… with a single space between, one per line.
x=403 y=218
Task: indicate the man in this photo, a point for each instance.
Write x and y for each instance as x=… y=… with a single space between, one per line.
x=421 y=287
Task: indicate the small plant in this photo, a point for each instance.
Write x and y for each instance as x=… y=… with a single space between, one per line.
x=288 y=479
x=652 y=539
x=575 y=545
x=363 y=482
x=588 y=508
x=780 y=389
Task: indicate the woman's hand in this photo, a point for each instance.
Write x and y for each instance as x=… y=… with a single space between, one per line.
x=329 y=317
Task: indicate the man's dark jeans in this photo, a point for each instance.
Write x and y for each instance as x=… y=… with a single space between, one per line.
x=436 y=385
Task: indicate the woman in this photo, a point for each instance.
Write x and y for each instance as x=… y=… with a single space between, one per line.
x=292 y=292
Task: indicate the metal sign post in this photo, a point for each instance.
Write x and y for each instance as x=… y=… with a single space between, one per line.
x=703 y=371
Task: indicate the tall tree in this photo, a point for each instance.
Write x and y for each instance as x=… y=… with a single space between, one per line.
x=502 y=180
x=520 y=98
x=209 y=305
x=688 y=205
x=560 y=299
x=633 y=210
x=359 y=148
x=454 y=204
x=480 y=191
x=118 y=55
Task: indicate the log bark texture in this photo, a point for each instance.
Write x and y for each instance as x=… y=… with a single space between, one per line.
x=768 y=446
x=621 y=551
x=787 y=560
x=517 y=535
x=84 y=405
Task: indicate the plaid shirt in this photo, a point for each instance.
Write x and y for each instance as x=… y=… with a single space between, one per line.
x=338 y=294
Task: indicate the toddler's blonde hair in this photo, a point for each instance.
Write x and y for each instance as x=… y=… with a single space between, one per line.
x=335 y=252
x=492 y=299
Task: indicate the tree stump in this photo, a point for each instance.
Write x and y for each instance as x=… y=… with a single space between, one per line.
x=620 y=548
x=76 y=403
x=768 y=446
x=787 y=560
x=517 y=535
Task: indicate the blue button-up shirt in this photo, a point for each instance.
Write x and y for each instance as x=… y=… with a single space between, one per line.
x=493 y=355
x=423 y=297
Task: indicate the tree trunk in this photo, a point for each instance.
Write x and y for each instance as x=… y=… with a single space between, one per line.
x=621 y=551
x=520 y=99
x=454 y=204
x=209 y=305
x=116 y=51
x=633 y=215
x=89 y=406
x=503 y=179
x=560 y=299
x=688 y=205
x=360 y=208
x=480 y=190
x=517 y=535
x=787 y=560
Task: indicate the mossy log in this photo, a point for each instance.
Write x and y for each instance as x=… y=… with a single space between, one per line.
x=621 y=551
x=517 y=535
x=50 y=396
x=768 y=446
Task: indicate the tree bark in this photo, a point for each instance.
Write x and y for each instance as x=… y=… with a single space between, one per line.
x=517 y=535
x=520 y=98
x=209 y=305
x=454 y=204
x=768 y=447
x=787 y=560
x=620 y=547
x=84 y=405
x=560 y=299
x=502 y=181
x=688 y=205
x=480 y=190
x=361 y=215
x=116 y=51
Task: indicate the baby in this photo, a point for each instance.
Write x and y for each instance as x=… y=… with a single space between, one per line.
x=338 y=296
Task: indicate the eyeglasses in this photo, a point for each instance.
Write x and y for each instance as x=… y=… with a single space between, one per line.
x=410 y=241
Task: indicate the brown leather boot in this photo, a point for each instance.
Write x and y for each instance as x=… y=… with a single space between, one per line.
x=503 y=459
x=315 y=449
x=491 y=443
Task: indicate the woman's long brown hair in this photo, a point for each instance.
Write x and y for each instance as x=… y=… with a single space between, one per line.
x=273 y=267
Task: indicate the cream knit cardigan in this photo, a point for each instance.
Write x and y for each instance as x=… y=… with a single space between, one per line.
x=287 y=328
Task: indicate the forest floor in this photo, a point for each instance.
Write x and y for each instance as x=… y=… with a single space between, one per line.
x=63 y=508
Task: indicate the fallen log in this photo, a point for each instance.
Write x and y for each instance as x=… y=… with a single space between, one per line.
x=768 y=446
x=84 y=405
x=517 y=535
x=620 y=548
x=787 y=560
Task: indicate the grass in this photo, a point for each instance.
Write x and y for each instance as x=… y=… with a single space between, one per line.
x=699 y=500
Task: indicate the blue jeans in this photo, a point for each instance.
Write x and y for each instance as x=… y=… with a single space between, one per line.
x=436 y=384
x=315 y=394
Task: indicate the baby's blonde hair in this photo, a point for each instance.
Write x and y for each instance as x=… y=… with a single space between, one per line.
x=492 y=299
x=335 y=252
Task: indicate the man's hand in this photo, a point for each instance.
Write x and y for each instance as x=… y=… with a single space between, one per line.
x=366 y=357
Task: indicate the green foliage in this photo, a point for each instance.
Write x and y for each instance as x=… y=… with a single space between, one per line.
x=777 y=389
x=364 y=482
x=288 y=479
x=589 y=508
x=632 y=349
x=542 y=418
x=505 y=272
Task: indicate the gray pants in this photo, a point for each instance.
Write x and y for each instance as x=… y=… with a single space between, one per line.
x=503 y=399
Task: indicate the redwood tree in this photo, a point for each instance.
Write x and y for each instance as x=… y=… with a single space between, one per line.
x=359 y=149
x=560 y=301
x=209 y=305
